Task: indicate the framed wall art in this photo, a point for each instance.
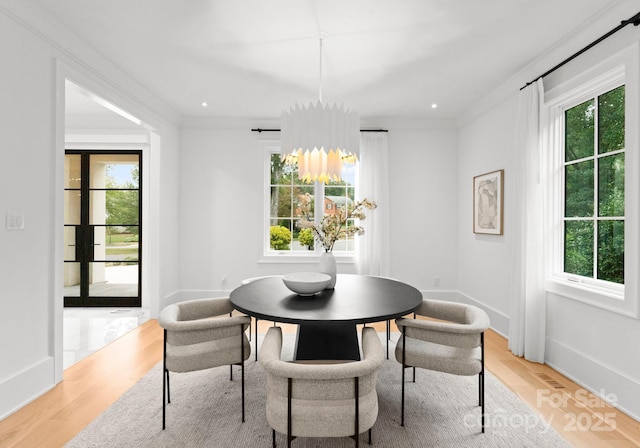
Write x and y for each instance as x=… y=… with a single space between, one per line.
x=488 y=203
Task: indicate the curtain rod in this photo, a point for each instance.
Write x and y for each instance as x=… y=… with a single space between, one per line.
x=635 y=20
x=278 y=130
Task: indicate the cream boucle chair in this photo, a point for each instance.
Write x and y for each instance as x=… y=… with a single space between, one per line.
x=454 y=346
x=324 y=399
x=201 y=334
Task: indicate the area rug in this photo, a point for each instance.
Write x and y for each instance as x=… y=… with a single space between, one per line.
x=441 y=411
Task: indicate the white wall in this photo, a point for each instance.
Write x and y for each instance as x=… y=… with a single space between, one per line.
x=26 y=183
x=596 y=348
x=222 y=208
x=31 y=150
x=423 y=193
x=484 y=261
x=221 y=198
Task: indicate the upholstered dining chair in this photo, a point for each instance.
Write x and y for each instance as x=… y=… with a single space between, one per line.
x=321 y=399
x=202 y=334
x=454 y=343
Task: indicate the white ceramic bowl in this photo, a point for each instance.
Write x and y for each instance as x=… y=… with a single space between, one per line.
x=306 y=283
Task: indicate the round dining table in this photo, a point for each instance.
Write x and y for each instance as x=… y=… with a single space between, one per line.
x=327 y=320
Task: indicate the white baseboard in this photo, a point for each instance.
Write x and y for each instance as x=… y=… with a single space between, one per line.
x=612 y=386
x=25 y=386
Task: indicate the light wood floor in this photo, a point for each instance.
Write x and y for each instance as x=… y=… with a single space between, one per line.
x=92 y=385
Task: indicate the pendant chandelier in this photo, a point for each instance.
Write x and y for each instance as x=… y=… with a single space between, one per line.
x=320 y=138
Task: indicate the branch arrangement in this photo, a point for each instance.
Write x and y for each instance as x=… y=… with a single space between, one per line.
x=334 y=227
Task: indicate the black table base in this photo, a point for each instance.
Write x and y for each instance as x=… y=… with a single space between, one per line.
x=330 y=342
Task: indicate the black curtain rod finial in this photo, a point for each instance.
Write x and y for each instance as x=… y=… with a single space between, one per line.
x=635 y=20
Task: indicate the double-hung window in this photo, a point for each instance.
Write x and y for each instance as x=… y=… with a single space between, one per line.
x=594 y=161
x=592 y=175
x=284 y=235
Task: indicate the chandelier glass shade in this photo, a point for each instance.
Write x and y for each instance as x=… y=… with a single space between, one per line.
x=320 y=139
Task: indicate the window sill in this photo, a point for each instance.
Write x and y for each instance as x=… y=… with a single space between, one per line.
x=310 y=258
x=608 y=299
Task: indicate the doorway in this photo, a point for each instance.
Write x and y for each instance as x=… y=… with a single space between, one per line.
x=102 y=228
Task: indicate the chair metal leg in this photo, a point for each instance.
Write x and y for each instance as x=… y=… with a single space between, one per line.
x=242 y=367
x=369 y=436
x=168 y=388
x=256 y=338
x=165 y=380
x=357 y=425
x=289 y=393
x=404 y=345
x=388 y=336
x=273 y=437
x=481 y=378
x=164 y=399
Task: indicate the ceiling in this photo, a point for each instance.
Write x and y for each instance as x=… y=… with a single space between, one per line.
x=253 y=58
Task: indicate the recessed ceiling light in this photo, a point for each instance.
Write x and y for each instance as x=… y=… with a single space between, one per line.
x=204 y=104
x=434 y=106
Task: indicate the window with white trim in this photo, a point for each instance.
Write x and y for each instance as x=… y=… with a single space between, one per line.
x=594 y=160
x=592 y=181
x=284 y=236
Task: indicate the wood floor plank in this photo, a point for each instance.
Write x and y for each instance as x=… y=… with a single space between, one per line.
x=93 y=384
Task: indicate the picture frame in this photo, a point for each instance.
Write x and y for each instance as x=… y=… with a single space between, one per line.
x=488 y=203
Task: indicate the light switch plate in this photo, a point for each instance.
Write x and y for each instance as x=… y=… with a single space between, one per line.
x=15 y=220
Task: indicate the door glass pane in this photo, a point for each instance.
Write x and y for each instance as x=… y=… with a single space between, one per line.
x=611 y=185
x=579 y=189
x=114 y=171
x=579 y=131
x=70 y=243
x=114 y=207
x=72 y=171
x=113 y=280
x=120 y=243
x=99 y=243
x=72 y=207
x=578 y=248
x=72 y=279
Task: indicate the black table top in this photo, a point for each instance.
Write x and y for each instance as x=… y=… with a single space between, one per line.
x=356 y=299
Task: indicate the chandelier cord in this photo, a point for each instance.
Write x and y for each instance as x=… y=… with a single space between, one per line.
x=320 y=74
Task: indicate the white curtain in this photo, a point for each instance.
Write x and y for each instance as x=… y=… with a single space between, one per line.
x=372 y=248
x=528 y=298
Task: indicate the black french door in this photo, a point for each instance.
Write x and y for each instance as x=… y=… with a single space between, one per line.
x=103 y=228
